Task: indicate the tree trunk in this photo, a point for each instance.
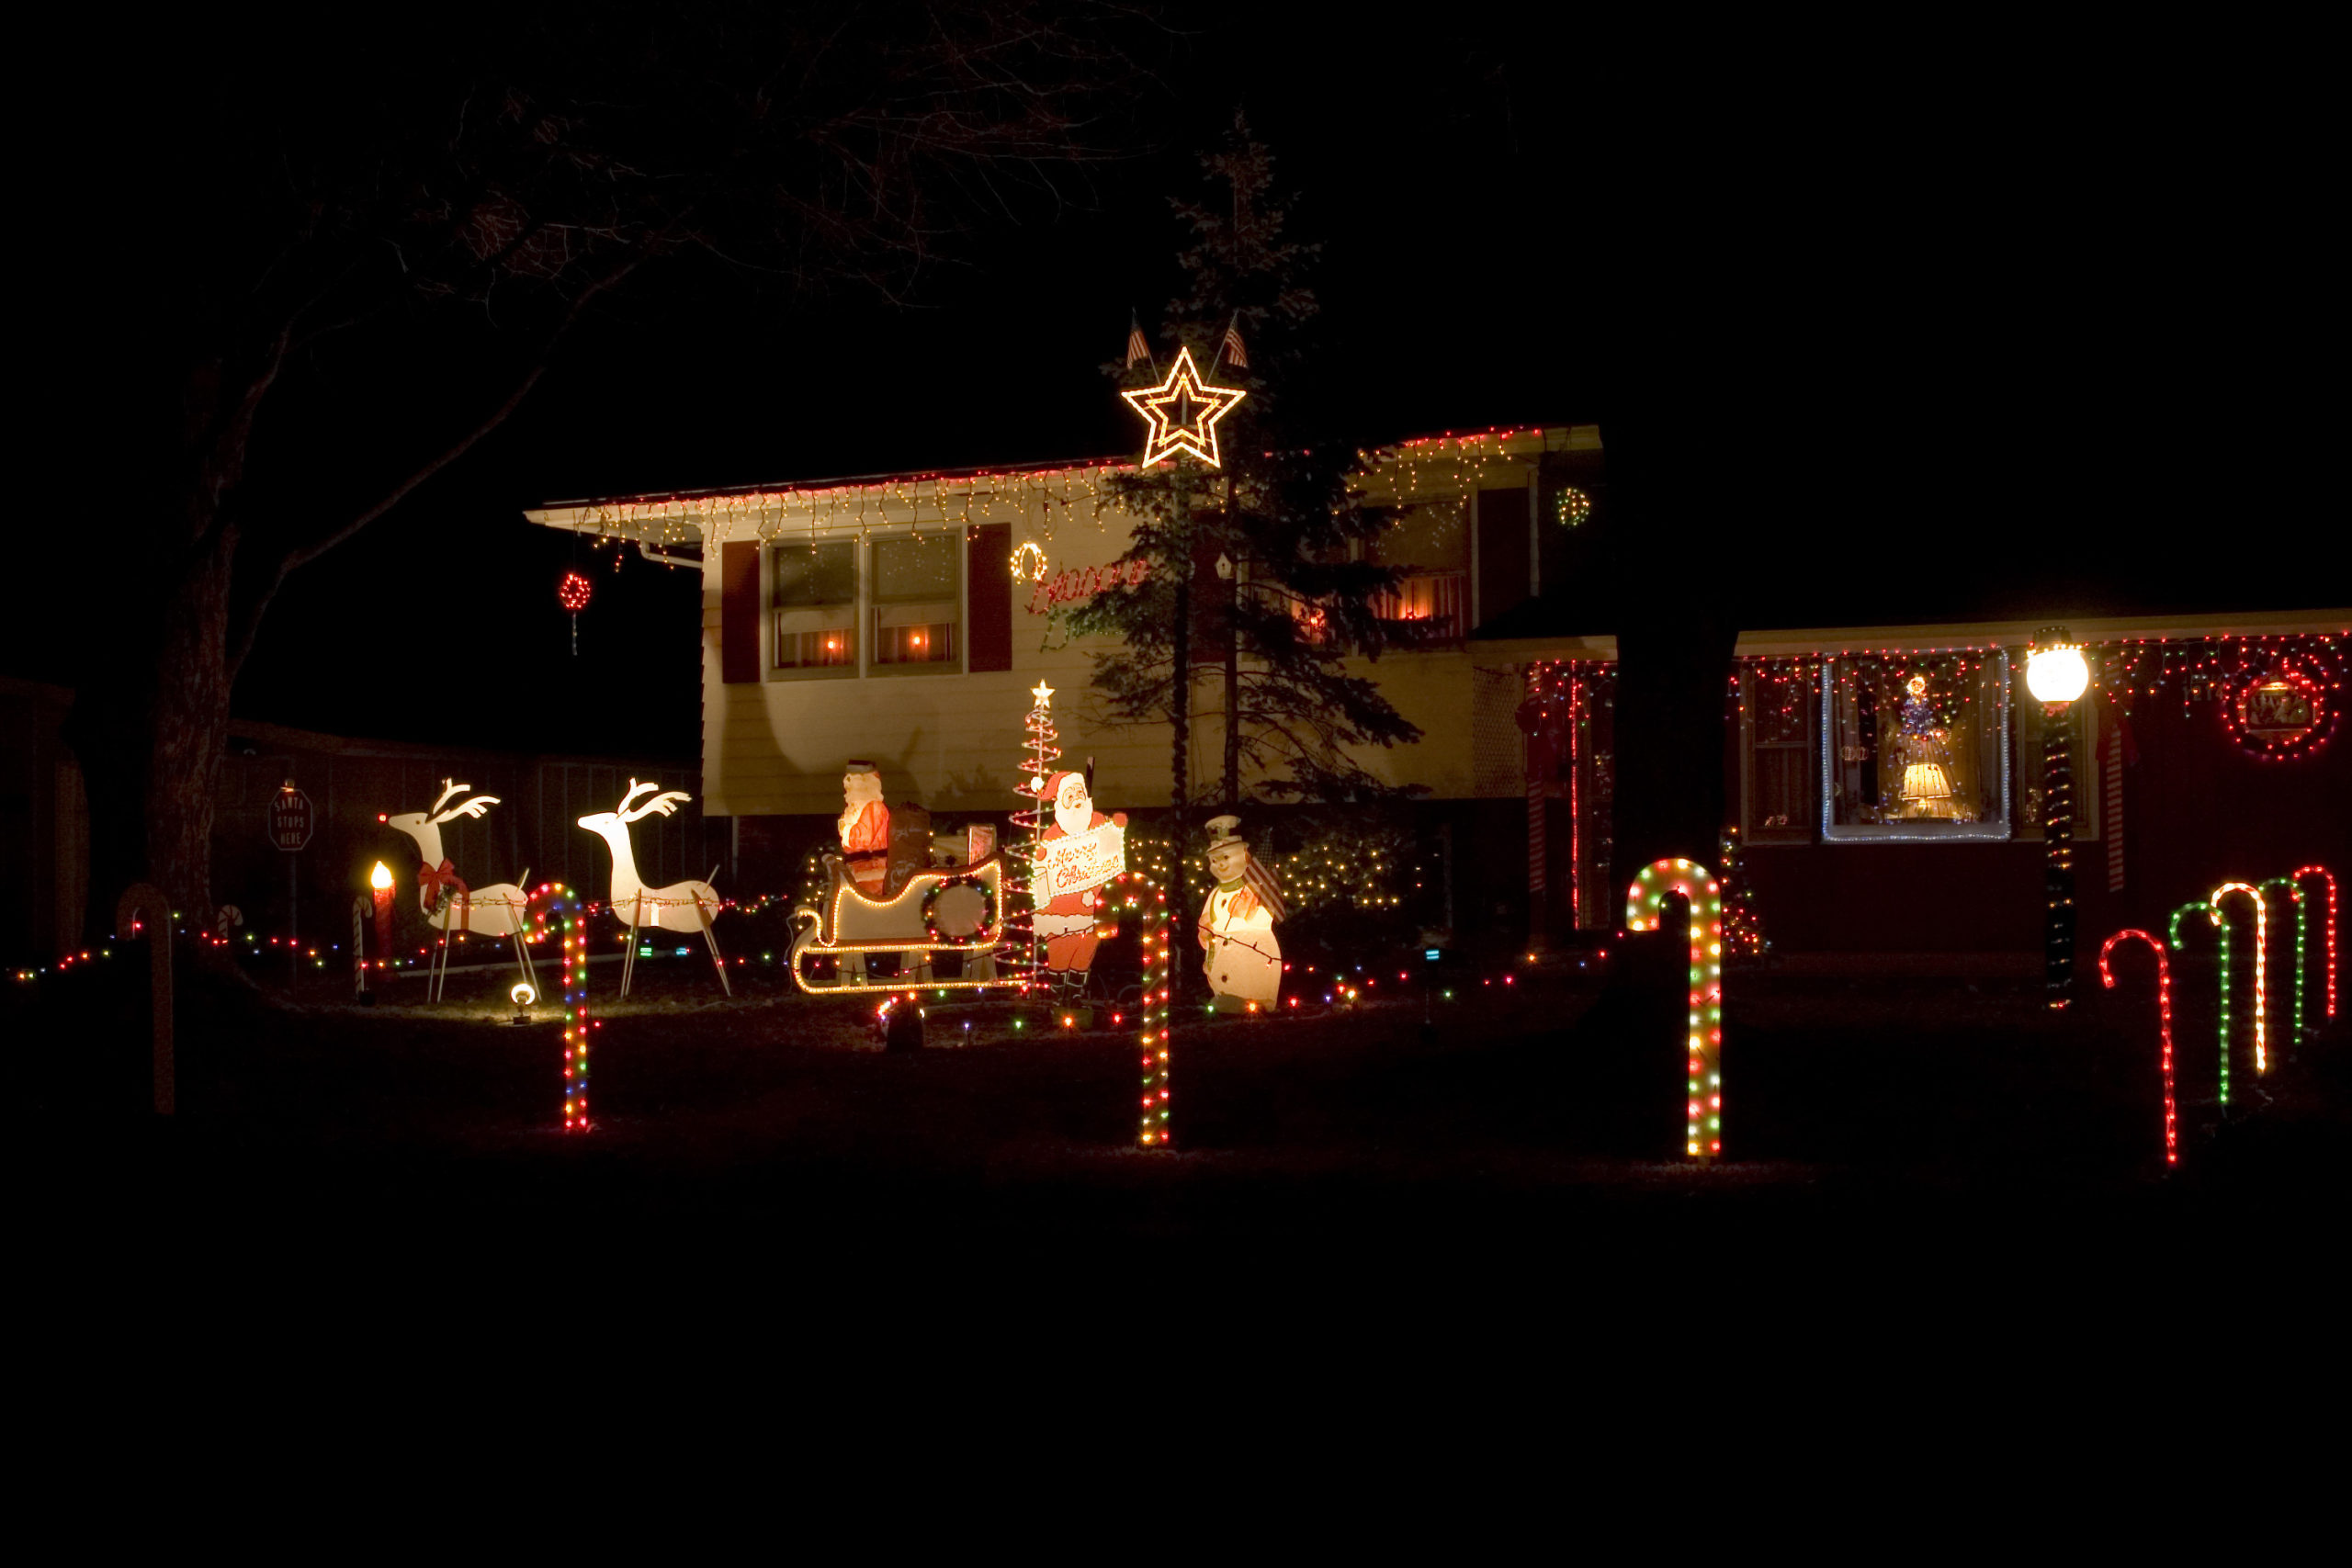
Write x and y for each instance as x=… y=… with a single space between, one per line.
x=1180 y=724
x=149 y=740
x=1231 y=649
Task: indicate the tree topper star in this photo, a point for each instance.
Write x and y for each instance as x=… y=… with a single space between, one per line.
x=1043 y=693
x=1184 y=410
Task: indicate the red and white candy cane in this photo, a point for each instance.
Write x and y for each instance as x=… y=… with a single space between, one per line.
x=2163 y=1023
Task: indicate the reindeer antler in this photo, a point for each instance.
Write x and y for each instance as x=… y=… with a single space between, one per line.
x=474 y=808
x=635 y=789
x=447 y=789
x=664 y=803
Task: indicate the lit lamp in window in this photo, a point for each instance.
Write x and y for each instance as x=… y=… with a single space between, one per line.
x=2056 y=673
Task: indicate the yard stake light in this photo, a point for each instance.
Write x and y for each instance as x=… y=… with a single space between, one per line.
x=2221 y=937
x=2056 y=674
x=1645 y=904
x=380 y=886
x=2261 y=965
x=2163 y=1025
x=2302 y=922
x=2322 y=871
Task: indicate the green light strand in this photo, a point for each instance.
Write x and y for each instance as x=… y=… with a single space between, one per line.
x=2221 y=935
x=2302 y=914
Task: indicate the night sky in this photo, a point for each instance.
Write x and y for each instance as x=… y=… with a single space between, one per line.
x=1929 y=335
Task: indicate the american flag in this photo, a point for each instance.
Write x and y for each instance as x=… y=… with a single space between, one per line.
x=1233 y=351
x=1270 y=892
x=1137 y=349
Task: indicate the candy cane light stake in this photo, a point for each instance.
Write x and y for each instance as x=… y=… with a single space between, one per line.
x=2261 y=965
x=563 y=910
x=2163 y=1025
x=2322 y=871
x=1645 y=904
x=2303 y=924
x=2221 y=939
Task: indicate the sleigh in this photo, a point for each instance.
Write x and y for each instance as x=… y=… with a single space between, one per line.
x=935 y=910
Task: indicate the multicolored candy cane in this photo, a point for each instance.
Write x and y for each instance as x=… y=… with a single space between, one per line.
x=1133 y=892
x=2163 y=1025
x=2302 y=922
x=1644 y=906
x=2261 y=965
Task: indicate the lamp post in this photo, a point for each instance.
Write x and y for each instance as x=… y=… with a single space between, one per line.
x=2056 y=673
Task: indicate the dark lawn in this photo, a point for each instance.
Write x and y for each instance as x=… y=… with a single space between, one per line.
x=1941 y=1127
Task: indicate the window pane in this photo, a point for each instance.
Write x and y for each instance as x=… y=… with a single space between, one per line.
x=1429 y=534
x=826 y=574
x=931 y=642
x=915 y=569
x=1915 y=745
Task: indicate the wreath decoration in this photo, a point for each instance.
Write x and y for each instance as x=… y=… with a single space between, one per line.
x=988 y=912
x=2279 y=715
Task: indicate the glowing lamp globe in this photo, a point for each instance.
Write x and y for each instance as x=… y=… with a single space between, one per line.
x=380 y=878
x=522 y=995
x=2057 y=673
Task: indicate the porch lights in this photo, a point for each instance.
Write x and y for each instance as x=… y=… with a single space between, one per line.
x=2056 y=673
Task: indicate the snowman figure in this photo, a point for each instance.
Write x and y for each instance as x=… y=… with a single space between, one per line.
x=1236 y=924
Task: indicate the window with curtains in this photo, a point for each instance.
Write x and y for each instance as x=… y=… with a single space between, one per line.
x=1428 y=544
x=814 y=595
x=1916 y=746
x=916 y=587
x=1776 y=706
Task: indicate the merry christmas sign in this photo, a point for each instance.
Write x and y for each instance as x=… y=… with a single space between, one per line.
x=1082 y=859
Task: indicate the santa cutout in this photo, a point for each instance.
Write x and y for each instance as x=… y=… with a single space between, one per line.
x=866 y=828
x=1237 y=925
x=1067 y=921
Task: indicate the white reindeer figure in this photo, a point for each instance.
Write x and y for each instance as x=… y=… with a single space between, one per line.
x=681 y=906
x=499 y=909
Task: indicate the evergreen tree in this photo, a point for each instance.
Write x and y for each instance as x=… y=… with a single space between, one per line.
x=1249 y=580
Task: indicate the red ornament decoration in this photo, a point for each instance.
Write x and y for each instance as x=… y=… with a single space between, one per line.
x=2281 y=714
x=573 y=591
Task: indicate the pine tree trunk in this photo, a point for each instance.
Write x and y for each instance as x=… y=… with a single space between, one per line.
x=1180 y=724
x=1232 y=651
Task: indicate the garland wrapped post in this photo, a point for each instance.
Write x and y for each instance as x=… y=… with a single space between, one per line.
x=1132 y=892
x=1644 y=906
x=2164 y=1025
x=2322 y=871
x=2261 y=965
x=563 y=909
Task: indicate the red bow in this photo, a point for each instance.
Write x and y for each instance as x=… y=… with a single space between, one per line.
x=430 y=882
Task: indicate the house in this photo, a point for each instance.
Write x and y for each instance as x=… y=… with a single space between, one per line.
x=905 y=619
x=1887 y=780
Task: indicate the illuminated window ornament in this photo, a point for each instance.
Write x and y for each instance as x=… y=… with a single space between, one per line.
x=1645 y=904
x=1184 y=410
x=2163 y=1025
x=2283 y=714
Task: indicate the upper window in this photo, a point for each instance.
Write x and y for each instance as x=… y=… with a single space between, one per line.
x=1916 y=746
x=1776 y=718
x=1428 y=544
x=816 y=606
x=916 y=588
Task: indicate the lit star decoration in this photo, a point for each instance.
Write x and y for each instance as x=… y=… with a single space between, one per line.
x=1042 y=693
x=1183 y=411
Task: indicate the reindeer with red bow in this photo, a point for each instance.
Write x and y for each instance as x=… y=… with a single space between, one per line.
x=681 y=906
x=500 y=909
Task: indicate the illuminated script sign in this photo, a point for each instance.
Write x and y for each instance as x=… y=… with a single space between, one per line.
x=1084 y=860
